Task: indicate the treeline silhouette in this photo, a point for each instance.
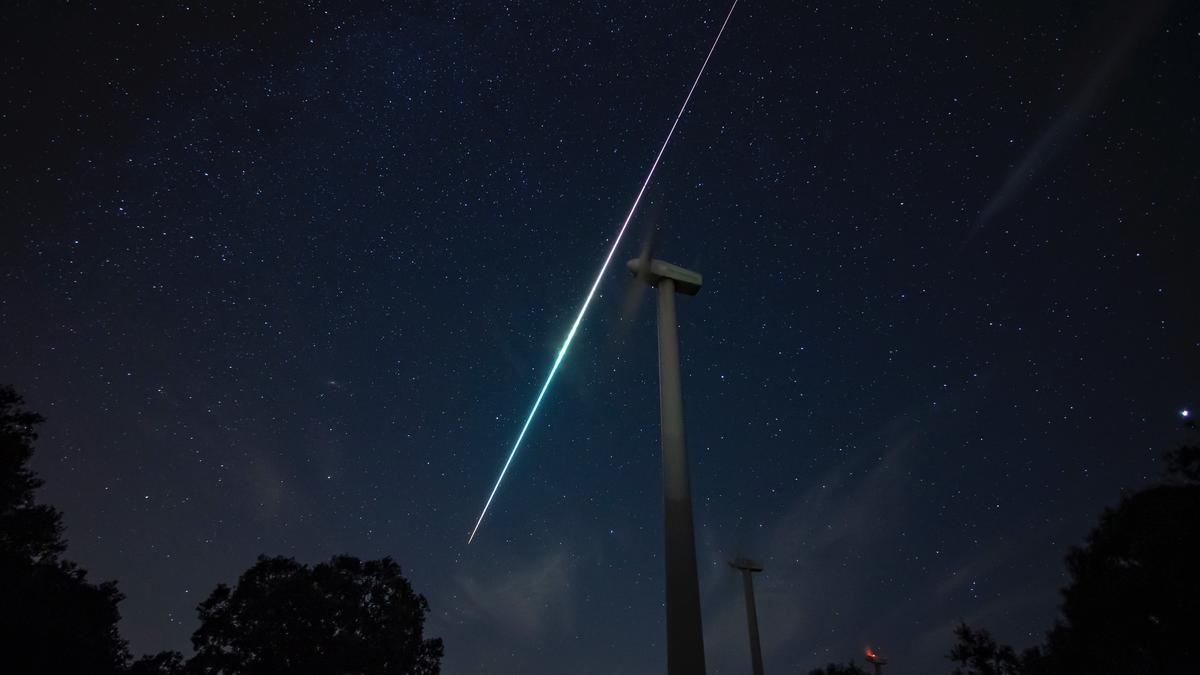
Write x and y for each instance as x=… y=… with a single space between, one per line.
x=344 y=617
x=1131 y=604
x=1129 y=607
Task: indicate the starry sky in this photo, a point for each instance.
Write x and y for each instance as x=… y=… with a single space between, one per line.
x=285 y=279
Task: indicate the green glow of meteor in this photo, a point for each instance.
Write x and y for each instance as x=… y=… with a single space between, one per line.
x=562 y=352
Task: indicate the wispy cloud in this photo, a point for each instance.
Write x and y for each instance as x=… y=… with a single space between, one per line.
x=820 y=553
x=824 y=588
x=525 y=601
x=1052 y=139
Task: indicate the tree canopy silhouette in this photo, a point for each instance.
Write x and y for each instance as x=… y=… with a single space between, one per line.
x=1130 y=605
x=162 y=663
x=346 y=616
x=52 y=620
x=849 y=668
x=28 y=531
x=977 y=653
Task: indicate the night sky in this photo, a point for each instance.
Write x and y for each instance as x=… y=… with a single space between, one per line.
x=286 y=279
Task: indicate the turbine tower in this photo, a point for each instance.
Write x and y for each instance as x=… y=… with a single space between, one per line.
x=747 y=568
x=685 y=636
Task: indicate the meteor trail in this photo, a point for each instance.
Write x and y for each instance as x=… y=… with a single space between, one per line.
x=595 y=284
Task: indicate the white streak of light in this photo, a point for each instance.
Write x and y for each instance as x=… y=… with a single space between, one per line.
x=595 y=284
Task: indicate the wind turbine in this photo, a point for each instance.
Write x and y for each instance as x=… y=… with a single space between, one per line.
x=748 y=567
x=685 y=634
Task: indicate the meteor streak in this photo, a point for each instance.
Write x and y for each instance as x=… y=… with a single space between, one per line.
x=562 y=352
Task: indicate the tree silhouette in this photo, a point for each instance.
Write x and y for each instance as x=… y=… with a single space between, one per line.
x=52 y=620
x=1130 y=606
x=849 y=668
x=28 y=531
x=1183 y=464
x=977 y=653
x=162 y=663
x=346 y=616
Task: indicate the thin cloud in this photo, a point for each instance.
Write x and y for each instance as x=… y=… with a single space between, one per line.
x=1051 y=141
x=525 y=602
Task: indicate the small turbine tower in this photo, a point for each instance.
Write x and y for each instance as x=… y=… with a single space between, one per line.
x=749 y=567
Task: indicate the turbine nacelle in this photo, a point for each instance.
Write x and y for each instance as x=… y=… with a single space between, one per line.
x=745 y=564
x=652 y=270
